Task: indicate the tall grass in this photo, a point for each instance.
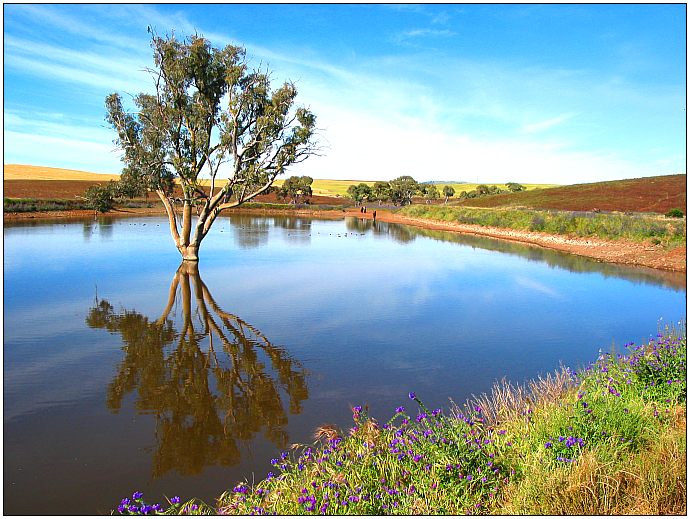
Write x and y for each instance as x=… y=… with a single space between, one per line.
x=27 y=205
x=658 y=230
x=609 y=439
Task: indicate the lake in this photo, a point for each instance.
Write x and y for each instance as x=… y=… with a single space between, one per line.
x=123 y=372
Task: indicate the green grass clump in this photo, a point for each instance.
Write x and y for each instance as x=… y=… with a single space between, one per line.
x=609 y=439
x=575 y=223
x=29 y=205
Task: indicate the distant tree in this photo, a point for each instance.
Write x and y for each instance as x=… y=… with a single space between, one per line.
x=403 y=189
x=482 y=189
x=514 y=187
x=208 y=109
x=132 y=185
x=360 y=193
x=448 y=192
x=296 y=188
x=101 y=198
x=381 y=191
x=431 y=193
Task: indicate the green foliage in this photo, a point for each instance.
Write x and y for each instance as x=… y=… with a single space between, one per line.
x=381 y=191
x=675 y=213
x=429 y=191
x=360 y=193
x=448 y=192
x=296 y=188
x=30 y=205
x=514 y=187
x=577 y=223
x=101 y=198
x=209 y=109
x=402 y=189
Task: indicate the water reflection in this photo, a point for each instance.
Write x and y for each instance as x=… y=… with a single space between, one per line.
x=252 y=232
x=213 y=383
x=399 y=233
x=299 y=229
x=553 y=258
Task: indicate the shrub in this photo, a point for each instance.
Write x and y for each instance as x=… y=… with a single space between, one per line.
x=675 y=213
x=100 y=198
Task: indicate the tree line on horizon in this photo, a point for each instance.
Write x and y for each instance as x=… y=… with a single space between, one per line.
x=401 y=190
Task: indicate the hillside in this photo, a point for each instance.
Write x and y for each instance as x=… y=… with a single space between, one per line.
x=649 y=194
x=25 y=172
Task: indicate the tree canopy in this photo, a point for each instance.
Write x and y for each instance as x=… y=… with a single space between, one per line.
x=210 y=116
x=296 y=188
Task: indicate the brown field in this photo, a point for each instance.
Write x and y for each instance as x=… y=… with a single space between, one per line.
x=650 y=194
x=72 y=189
x=646 y=195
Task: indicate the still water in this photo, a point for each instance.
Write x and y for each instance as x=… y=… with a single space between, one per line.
x=123 y=372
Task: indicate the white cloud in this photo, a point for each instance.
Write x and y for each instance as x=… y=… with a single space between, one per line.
x=380 y=117
x=54 y=16
x=413 y=33
x=546 y=124
x=104 y=72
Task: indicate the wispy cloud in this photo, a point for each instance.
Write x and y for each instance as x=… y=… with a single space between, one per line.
x=76 y=66
x=415 y=33
x=546 y=124
x=54 y=16
x=383 y=115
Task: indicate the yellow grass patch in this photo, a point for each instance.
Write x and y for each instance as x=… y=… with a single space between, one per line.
x=25 y=172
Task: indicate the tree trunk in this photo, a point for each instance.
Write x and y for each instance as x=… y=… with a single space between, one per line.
x=189 y=252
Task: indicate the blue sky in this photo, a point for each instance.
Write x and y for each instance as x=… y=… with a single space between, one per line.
x=475 y=92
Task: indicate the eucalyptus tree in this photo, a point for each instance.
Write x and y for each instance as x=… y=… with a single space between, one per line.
x=360 y=193
x=381 y=191
x=296 y=188
x=210 y=116
x=448 y=191
x=430 y=193
x=403 y=189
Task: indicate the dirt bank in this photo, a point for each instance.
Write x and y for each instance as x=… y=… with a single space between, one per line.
x=611 y=251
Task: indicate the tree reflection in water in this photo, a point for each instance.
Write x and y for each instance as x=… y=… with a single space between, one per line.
x=205 y=402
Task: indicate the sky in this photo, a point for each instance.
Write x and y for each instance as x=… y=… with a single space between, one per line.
x=533 y=93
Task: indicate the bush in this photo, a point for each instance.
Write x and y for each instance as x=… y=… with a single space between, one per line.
x=100 y=198
x=675 y=213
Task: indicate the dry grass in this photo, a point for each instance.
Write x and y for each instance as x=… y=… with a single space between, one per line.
x=25 y=172
x=507 y=401
x=640 y=485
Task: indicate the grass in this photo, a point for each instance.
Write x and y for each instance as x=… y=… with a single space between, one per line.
x=31 y=205
x=609 y=439
x=659 y=230
x=27 y=205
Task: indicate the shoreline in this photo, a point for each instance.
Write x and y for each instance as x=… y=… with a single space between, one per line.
x=610 y=251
